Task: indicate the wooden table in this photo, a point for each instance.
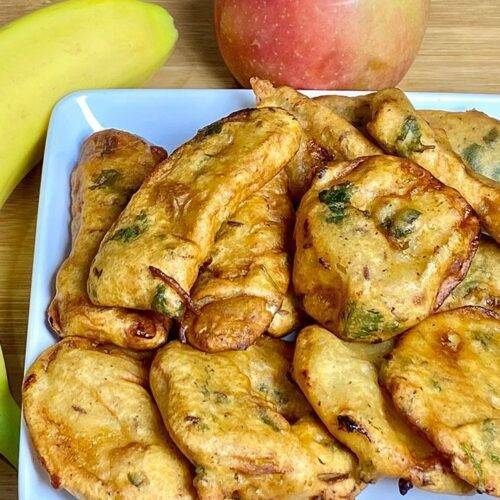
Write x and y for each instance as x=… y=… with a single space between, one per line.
x=461 y=52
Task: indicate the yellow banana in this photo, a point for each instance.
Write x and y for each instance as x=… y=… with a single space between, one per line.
x=72 y=45
x=9 y=418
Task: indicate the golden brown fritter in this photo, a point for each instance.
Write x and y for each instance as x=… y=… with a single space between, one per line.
x=95 y=427
x=355 y=110
x=340 y=380
x=111 y=168
x=332 y=137
x=380 y=243
x=473 y=135
x=171 y=222
x=399 y=129
x=247 y=428
x=445 y=377
x=481 y=285
x=243 y=284
x=288 y=318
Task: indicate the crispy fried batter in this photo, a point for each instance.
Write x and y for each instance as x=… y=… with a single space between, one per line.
x=288 y=318
x=355 y=110
x=445 y=377
x=112 y=166
x=370 y=259
x=473 y=135
x=248 y=428
x=399 y=129
x=172 y=221
x=332 y=134
x=96 y=428
x=246 y=277
x=481 y=285
x=340 y=380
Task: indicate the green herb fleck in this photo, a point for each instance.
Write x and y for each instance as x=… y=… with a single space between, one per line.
x=491 y=136
x=361 y=323
x=275 y=394
x=159 y=302
x=475 y=463
x=268 y=421
x=471 y=155
x=435 y=384
x=205 y=391
x=409 y=139
x=401 y=224
x=107 y=178
x=494 y=458
x=337 y=199
x=484 y=338
x=130 y=233
x=200 y=471
x=213 y=128
x=136 y=478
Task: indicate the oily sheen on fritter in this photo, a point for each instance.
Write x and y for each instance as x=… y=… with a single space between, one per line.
x=111 y=168
x=340 y=380
x=445 y=377
x=243 y=283
x=481 y=285
x=379 y=245
x=473 y=135
x=95 y=427
x=327 y=136
x=171 y=223
x=246 y=427
x=398 y=128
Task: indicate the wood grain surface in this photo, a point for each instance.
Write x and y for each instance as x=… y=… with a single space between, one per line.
x=460 y=53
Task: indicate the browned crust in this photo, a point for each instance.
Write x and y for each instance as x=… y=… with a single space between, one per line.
x=71 y=313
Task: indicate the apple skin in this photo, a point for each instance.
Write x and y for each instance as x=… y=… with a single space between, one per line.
x=322 y=44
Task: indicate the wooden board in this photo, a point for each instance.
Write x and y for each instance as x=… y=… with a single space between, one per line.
x=460 y=53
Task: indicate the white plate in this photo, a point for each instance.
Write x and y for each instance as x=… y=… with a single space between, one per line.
x=167 y=118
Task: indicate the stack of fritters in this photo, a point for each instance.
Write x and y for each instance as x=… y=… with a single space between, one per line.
x=383 y=251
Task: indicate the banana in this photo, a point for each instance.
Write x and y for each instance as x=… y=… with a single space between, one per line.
x=10 y=417
x=72 y=45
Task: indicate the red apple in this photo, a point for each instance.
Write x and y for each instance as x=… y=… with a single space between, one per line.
x=323 y=44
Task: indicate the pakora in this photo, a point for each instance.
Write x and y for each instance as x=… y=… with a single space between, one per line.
x=473 y=135
x=111 y=168
x=95 y=427
x=336 y=137
x=380 y=243
x=243 y=283
x=399 y=129
x=481 y=285
x=247 y=428
x=340 y=380
x=170 y=224
x=445 y=377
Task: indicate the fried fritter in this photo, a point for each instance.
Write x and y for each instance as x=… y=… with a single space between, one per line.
x=399 y=129
x=96 y=428
x=288 y=318
x=112 y=166
x=380 y=243
x=170 y=224
x=340 y=380
x=473 y=135
x=481 y=285
x=336 y=138
x=243 y=284
x=355 y=110
x=247 y=428
x=445 y=377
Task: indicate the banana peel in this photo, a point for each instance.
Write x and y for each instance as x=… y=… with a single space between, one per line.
x=10 y=418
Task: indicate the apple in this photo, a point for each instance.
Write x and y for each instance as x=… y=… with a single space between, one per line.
x=323 y=44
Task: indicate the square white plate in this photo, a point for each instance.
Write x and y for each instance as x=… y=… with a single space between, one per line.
x=167 y=118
